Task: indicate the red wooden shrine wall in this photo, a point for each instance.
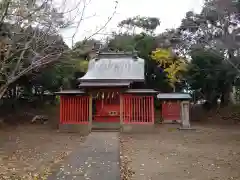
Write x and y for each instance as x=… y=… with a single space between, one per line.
x=135 y=110
x=171 y=110
x=74 y=109
x=138 y=109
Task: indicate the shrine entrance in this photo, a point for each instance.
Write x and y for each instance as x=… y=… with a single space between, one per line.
x=106 y=107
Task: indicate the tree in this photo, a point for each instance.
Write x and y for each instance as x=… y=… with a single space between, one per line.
x=121 y=42
x=173 y=65
x=209 y=74
x=82 y=48
x=59 y=75
x=171 y=38
x=29 y=36
x=216 y=28
x=64 y=74
x=147 y=24
x=24 y=47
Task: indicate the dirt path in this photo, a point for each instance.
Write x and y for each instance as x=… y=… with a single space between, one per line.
x=97 y=158
x=210 y=153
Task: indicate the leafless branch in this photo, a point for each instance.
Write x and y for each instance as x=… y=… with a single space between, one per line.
x=79 y=22
x=5 y=12
x=30 y=46
x=105 y=25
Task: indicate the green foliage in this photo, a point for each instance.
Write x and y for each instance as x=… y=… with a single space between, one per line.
x=145 y=44
x=210 y=74
x=148 y=24
x=57 y=100
x=216 y=29
x=122 y=42
x=60 y=74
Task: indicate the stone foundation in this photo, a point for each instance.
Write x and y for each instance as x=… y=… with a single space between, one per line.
x=172 y=122
x=138 y=128
x=105 y=126
x=83 y=129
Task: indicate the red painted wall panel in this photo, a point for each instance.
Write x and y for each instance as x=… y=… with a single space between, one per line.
x=74 y=109
x=171 y=110
x=138 y=109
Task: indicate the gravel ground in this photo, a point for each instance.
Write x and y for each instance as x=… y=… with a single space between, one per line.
x=32 y=150
x=209 y=153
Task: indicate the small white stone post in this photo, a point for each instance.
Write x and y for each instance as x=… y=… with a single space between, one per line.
x=185 y=106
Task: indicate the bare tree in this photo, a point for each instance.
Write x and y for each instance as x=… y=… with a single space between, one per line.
x=29 y=35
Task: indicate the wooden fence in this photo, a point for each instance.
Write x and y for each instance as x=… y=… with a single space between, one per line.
x=74 y=109
x=138 y=109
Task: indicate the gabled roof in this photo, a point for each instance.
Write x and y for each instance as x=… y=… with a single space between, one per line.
x=115 y=66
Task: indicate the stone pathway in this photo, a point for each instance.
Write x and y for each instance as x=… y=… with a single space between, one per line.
x=96 y=159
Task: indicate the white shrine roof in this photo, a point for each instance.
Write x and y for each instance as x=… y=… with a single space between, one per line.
x=115 y=67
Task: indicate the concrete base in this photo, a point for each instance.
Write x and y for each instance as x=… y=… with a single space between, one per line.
x=83 y=129
x=138 y=128
x=187 y=128
x=171 y=122
x=105 y=126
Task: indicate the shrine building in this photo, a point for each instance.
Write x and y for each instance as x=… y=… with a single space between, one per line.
x=110 y=96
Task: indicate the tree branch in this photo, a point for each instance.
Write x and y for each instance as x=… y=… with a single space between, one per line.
x=79 y=22
x=104 y=26
x=4 y=13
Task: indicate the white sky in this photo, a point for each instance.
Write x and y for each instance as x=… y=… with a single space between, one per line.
x=170 y=13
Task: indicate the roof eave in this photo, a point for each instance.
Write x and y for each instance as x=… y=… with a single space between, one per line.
x=176 y=96
x=141 y=91
x=70 y=92
x=110 y=80
x=104 y=84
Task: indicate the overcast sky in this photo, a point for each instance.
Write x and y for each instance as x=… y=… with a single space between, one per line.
x=170 y=13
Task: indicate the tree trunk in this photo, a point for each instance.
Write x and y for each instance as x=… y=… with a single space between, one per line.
x=225 y=98
x=211 y=100
x=3 y=89
x=174 y=89
x=233 y=95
